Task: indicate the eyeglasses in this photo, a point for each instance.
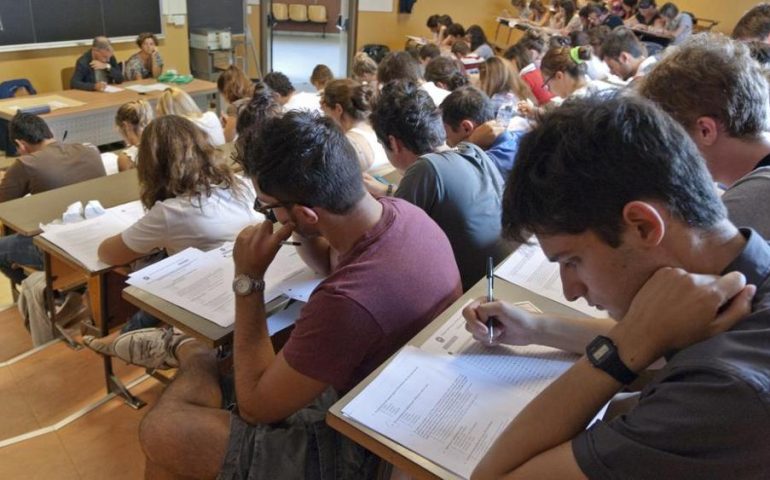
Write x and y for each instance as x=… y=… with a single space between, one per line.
x=267 y=210
x=547 y=81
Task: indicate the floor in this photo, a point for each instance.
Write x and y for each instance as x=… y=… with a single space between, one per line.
x=291 y=54
x=56 y=397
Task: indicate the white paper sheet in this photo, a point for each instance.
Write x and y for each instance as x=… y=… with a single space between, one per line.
x=112 y=89
x=81 y=240
x=528 y=267
x=153 y=87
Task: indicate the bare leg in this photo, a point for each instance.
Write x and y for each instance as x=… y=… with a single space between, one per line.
x=186 y=433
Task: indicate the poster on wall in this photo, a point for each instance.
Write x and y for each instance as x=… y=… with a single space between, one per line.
x=375 y=5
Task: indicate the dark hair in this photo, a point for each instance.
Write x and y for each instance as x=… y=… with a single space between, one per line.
x=669 y=10
x=714 y=76
x=354 y=98
x=586 y=11
x=569 y=10
x=234 y=84
x=144 y=36
x=304 y=158
x=477 y=36
x=407 y=112
x=445 y=20
x=630 y=3
x=28 y=128
x=429 y=50
x=578 y=168
x=621 y=40
x=534 y=40
x=558 y=41
x=571 y=60
x=579 y=38
x=455 y=30
x=432 y=21
x=321 y=74
x=448 y=71
x=262 y=106
x=399 y=66
x=466 y=103
x=279 y=83
x=519 y=55
x=754 y=24
x=596 y=36
x=177 y=160
x=461 y=48
x=760 y=51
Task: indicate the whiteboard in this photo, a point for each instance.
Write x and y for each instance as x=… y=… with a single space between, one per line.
x=375 y=5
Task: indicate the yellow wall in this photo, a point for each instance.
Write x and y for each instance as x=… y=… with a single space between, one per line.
x=43 y=67
x=727 y=12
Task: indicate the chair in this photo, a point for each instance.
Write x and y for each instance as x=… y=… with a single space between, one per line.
x=66 y=77
x=317 y=14
x=298 y=13
x=14 y=88
x=280 y=12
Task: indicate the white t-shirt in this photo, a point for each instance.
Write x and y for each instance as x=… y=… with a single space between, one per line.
x=210 y=123
x=181 y=222
x=303 y=101
x=368 y=135
x=438 y=94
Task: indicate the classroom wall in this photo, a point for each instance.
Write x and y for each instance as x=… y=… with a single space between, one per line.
x=43 y=67
x=728 y=13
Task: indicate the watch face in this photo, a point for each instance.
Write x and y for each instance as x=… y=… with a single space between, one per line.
x=242 y=285
x=599 y=348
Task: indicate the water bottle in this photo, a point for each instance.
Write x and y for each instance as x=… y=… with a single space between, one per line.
x=504 y=114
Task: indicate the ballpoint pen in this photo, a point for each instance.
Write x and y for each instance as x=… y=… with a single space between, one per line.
x=490 y=296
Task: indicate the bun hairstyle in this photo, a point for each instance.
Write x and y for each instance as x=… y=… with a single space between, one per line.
x=447 y=71
x=363 y=65
x=135 y=115
x=234 y=84
x=355 y=98
x=571 y=60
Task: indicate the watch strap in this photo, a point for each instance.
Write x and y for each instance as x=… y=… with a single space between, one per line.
x=603 y=354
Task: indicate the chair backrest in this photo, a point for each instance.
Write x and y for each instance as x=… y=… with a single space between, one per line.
x=317 y=13
x=66 y=76
x=16 y=88
x=280 y=12
x=297 y=12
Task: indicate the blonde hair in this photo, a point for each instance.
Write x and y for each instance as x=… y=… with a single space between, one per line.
x=175 y=101
x=363 y=65
x=354 y=97
x=498 y=75
x=136 y=115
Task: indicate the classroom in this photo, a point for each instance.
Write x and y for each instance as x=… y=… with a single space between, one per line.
x=384 y=239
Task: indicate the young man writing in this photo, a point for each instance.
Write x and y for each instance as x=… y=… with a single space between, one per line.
x=460 y=189
x=626 y=228
x=375 y=297
x=713 y=87
x=626 y=55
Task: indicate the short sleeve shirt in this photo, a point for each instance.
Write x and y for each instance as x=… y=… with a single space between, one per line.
x=706 y=415
x=398 y=277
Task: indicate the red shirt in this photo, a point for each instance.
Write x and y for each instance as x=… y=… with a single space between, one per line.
x=398 y=277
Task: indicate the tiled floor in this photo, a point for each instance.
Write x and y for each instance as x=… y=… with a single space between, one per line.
x=48 y=386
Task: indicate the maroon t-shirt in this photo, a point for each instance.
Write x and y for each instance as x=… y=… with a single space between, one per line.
x=398 y=277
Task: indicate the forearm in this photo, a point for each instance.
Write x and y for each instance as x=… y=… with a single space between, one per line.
x=252 y=350
x=545 y=423
x=570 y=333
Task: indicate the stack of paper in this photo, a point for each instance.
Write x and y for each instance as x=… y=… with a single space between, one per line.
x=449 y=399
x=201 y=282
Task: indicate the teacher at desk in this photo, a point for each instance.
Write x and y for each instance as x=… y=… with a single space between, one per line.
x=97 y=68
x=147 y=62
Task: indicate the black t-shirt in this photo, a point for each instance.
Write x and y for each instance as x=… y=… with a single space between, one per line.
x=640 y=19
x=765 y=162
x=613 y=21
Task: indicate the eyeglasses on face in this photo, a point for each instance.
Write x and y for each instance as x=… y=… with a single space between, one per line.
x=267 y=209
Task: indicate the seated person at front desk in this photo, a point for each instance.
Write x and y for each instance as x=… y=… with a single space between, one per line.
x=45 y=164
x=97 y=68
x=147 y=62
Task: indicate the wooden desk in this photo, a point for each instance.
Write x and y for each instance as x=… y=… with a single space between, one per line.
x=93 y=120
x=392 y=452
x=24 y=215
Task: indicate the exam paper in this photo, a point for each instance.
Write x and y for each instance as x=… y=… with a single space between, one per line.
x=153 y=87
x=528 y=267
x=112 y=89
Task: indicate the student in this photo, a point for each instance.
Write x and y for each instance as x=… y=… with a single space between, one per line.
x=468 y=114
x=147 y=62
x=499 y=79
x=437 y=24
x=479 y=43
x=571 y=18
x=364 y=69
x=629 y=246
x=260 y=108
x=44 y=164
x=565 y=70
x=445 y=72
x=754 y=24
x=454 y=32
x=233 y=84
x=647 y=15
x=97 y=67
x=131 y=119
x=290 y=98
x=428 y=52
x=713 y=87
x=629 y=9
x=679 y=25
x=349 y=103
x=526 y=54
x=401 y=66
x=321 y=76
x=625 y=55
x=460 y=189
x=307 y=174
x=596 y=69
x=175 y=101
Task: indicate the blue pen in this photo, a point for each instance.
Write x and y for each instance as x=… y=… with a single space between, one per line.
x=380 y=179
x=490 y=296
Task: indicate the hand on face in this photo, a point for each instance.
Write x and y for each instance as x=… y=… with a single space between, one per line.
x=256 y=247
x=513 y=326
x=675 y=309
x=98 y=65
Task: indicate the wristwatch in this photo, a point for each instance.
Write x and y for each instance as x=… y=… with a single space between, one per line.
x=244 y=285
x=603 y=354
x=108 y=67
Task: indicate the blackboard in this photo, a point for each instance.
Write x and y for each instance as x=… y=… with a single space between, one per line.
x=216 y=14
x=24 y=22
